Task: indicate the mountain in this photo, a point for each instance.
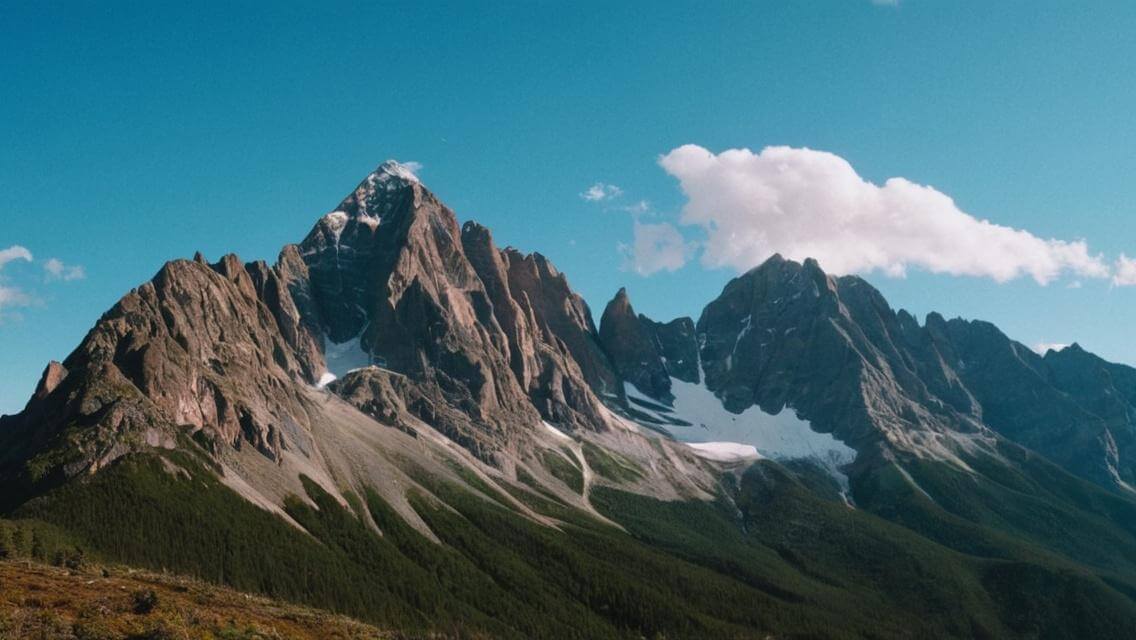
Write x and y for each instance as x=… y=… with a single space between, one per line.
x=788 y=335
x=402 y=422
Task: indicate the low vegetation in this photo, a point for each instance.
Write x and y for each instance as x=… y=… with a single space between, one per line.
x=562 y=469
x=105 y=603
x=611 y=466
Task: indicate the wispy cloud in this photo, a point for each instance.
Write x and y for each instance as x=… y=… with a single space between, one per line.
x=12 y=296
x=804 y=203
x=56 y=270
x=637 y=208
x=600 y=192
x=12 y=253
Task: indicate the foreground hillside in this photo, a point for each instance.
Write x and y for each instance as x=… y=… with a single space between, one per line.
x=39 y=601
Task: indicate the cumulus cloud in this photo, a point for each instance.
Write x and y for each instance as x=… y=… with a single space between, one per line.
x=56 y=270
x=656 y=247
x=804 y=203
x=600 y=192
x=1124 y=273
x=1042 y=347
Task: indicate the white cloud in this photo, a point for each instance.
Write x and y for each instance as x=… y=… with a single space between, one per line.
x=804 y=203
x=14 y=252
x=599 y=192
x=1124 y=273
x=1042 y=347
x=412 y=166
x=56 y=270
x=657 y=247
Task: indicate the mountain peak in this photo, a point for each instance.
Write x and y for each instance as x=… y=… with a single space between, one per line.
x=383 y=189
x=392 y=171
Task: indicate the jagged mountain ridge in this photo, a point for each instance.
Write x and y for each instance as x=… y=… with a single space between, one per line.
x=786 y=334
x=476 y=344
x=495 y=341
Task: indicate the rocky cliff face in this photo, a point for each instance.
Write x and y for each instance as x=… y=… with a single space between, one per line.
x=551 y=346
x=197 y=349
x=1071 y=406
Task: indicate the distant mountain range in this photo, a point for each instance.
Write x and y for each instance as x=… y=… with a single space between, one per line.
x=400 y=421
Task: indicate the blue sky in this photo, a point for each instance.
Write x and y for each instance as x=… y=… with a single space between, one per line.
x=133 y=133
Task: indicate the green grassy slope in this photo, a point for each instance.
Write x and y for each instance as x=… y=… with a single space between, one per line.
x=770 y=556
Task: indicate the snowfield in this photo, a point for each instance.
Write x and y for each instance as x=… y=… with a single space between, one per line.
x=714 y=431
x=724 y=451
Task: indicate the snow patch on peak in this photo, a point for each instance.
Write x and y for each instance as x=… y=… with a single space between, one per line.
x=392 y=171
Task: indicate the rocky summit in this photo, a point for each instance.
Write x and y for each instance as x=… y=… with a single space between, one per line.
x=401 y=421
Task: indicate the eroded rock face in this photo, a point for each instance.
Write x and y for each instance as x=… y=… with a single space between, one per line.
x=542 y=362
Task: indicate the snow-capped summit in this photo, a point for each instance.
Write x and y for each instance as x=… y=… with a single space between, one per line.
x=393 y=171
